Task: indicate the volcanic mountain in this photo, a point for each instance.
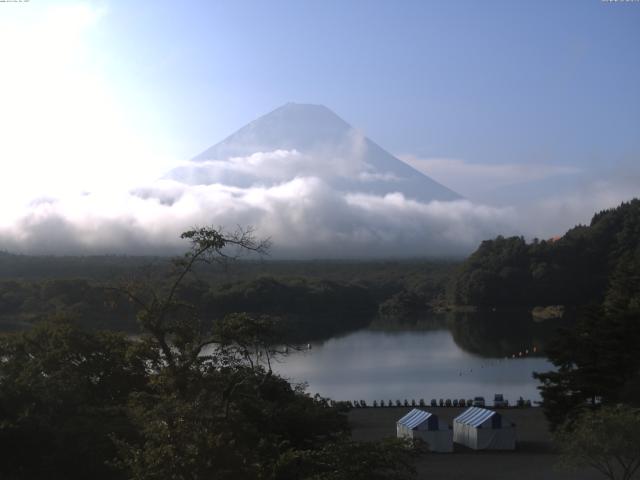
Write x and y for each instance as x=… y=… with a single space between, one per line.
x=302 y=140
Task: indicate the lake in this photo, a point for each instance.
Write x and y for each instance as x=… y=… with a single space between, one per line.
x=379 y=364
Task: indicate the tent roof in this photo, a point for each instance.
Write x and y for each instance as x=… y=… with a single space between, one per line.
x=414 y=418
x=475 y=416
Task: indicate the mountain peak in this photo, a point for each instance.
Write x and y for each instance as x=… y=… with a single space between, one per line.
x=300 y=126
x=303 y=106
x=295 y=108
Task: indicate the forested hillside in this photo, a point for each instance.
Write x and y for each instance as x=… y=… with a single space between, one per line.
x=314 y=299
x=587 y=265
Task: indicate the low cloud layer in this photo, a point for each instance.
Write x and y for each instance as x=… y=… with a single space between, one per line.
x=305 y=216
x=344 y=158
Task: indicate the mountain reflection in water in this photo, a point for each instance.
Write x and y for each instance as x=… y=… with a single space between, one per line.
x=460 y=356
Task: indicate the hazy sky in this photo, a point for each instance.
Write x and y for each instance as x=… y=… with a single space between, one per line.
x=504 y=102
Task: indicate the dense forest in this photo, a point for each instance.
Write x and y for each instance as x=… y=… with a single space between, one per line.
x=314 y=299
x=587 y=265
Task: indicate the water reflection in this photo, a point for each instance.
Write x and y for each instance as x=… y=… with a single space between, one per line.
x=466 y=359
x=499 y=334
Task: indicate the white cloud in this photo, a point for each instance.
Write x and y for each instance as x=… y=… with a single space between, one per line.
x=271 y=166
x=299 y=208
x=303 y=216
x=343 y=160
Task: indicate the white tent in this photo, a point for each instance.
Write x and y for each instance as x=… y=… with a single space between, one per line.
x=426 y=426
x=483 y=429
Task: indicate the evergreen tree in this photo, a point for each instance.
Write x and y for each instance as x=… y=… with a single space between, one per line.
x=595 y=360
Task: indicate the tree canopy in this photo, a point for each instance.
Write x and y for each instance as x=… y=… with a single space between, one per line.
x=607 y=440
x=596 y=361
x=585 y=266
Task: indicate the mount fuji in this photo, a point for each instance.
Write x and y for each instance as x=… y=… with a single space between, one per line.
x=302 y=140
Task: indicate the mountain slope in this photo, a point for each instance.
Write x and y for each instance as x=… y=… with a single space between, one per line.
x=308 y=140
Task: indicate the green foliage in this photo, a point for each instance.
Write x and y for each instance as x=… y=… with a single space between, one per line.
x=24 y=303
x=50 y=267
x=597 y=361
x=62 y=394
x=346 y=460
x=403 y=306
x=421 y=294
x=580 y=268
x=309 y=308
x=315 y=300
x=623 y=293
x=228 y=423
x=607 y=439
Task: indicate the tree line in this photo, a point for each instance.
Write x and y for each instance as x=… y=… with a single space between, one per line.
x=312 y=308
x=587 y=265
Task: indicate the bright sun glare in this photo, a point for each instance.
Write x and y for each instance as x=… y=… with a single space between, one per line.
x=64 y=129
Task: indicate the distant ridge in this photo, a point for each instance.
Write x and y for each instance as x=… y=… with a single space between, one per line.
x=340 y=155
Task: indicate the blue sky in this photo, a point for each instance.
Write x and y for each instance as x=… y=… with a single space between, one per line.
x=503 y=101
x=495 y=82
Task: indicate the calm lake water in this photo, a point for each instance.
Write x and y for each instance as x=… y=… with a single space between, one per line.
x=389 y=365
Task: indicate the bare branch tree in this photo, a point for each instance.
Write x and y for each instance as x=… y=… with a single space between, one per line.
x=171 y=321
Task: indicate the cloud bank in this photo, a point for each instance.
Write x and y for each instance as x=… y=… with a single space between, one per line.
x=304 y=215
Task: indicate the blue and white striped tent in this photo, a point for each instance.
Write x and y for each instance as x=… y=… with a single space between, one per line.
x=426 y=426
x=475 y=416
x=416 y=418
x=483 y=429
